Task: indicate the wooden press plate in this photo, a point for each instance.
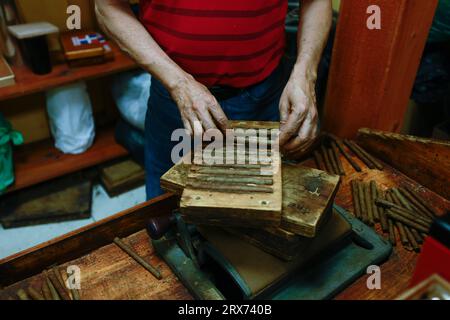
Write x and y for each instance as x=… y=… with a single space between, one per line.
x=212 y=206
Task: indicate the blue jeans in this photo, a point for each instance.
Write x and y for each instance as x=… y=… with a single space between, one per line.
x=259 y=103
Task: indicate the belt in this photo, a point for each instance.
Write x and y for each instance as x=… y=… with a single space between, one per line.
x=224 y=93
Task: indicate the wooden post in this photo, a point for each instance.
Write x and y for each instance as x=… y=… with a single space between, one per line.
x=373 y=71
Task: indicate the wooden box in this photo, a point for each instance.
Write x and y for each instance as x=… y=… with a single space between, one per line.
x=85 y=48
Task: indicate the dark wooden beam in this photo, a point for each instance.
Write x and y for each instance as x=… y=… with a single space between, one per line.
x=373 y=71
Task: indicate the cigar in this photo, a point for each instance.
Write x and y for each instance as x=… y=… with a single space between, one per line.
x=412 y=217
x=74 y=292
x=362 y=203
x=374 y=195
x=401 y=232
x=356 y=202
x=383 y=218
x=407 y=213
x=230 y=171
x=424 y=204
x=22 y=294
x=326 y=159
x=391 y=229
x=412 y=240
x=338 y=159
x=361 y=156
x=333 y=161
x=230 y=188
x=402 y=211
x=319 y=161
x=46 y=290
x=34 y=294
x=137 y=258
x=397 y=195
x=418 y=206
x=369 y=204
x=54 y=293
x=374 y=161
x=417 y=236
x=345 y=153
x=407 y=222
x=385 y=204
x=225 y=180
x=59 y=284
x=398 y=224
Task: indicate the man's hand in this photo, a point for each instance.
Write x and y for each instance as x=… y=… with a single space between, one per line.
x=199 y=109
x=298 y=113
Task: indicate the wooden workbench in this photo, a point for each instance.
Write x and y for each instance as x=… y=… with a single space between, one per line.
x=108 y=273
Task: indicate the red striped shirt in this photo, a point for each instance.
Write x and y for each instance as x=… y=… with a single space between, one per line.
x=229 y=42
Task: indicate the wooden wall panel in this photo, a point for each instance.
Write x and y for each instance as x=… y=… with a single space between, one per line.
x=372 y=71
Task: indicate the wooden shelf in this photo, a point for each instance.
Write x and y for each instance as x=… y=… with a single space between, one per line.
x=28 y=82
x=41 y=161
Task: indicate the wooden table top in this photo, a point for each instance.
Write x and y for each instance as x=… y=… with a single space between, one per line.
x=108 y=273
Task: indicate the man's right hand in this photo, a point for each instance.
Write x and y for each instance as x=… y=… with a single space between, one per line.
x=199 y=109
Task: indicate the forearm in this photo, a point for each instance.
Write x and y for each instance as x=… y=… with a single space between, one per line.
x=118 y=21
x=314 y=27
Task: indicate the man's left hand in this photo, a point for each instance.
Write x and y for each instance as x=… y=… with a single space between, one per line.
x=299 y=117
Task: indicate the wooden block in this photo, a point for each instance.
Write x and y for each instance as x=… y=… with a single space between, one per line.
x=235 y=194
x=67 y=198
x=175 y=179
x=122 y=176
x=308 y=195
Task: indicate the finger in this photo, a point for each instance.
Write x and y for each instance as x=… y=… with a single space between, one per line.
x=299 y=154
x=185 y=118
x=292 y=144
x=302 y=137
x=284 y=110
x=291 y=127
x=205 y=118
x=187 y=125
x=196 y=126
x=219 y=116
x=303 y=148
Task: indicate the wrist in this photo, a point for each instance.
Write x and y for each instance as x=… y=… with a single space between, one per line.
x=177 y=81
x=304 y=71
